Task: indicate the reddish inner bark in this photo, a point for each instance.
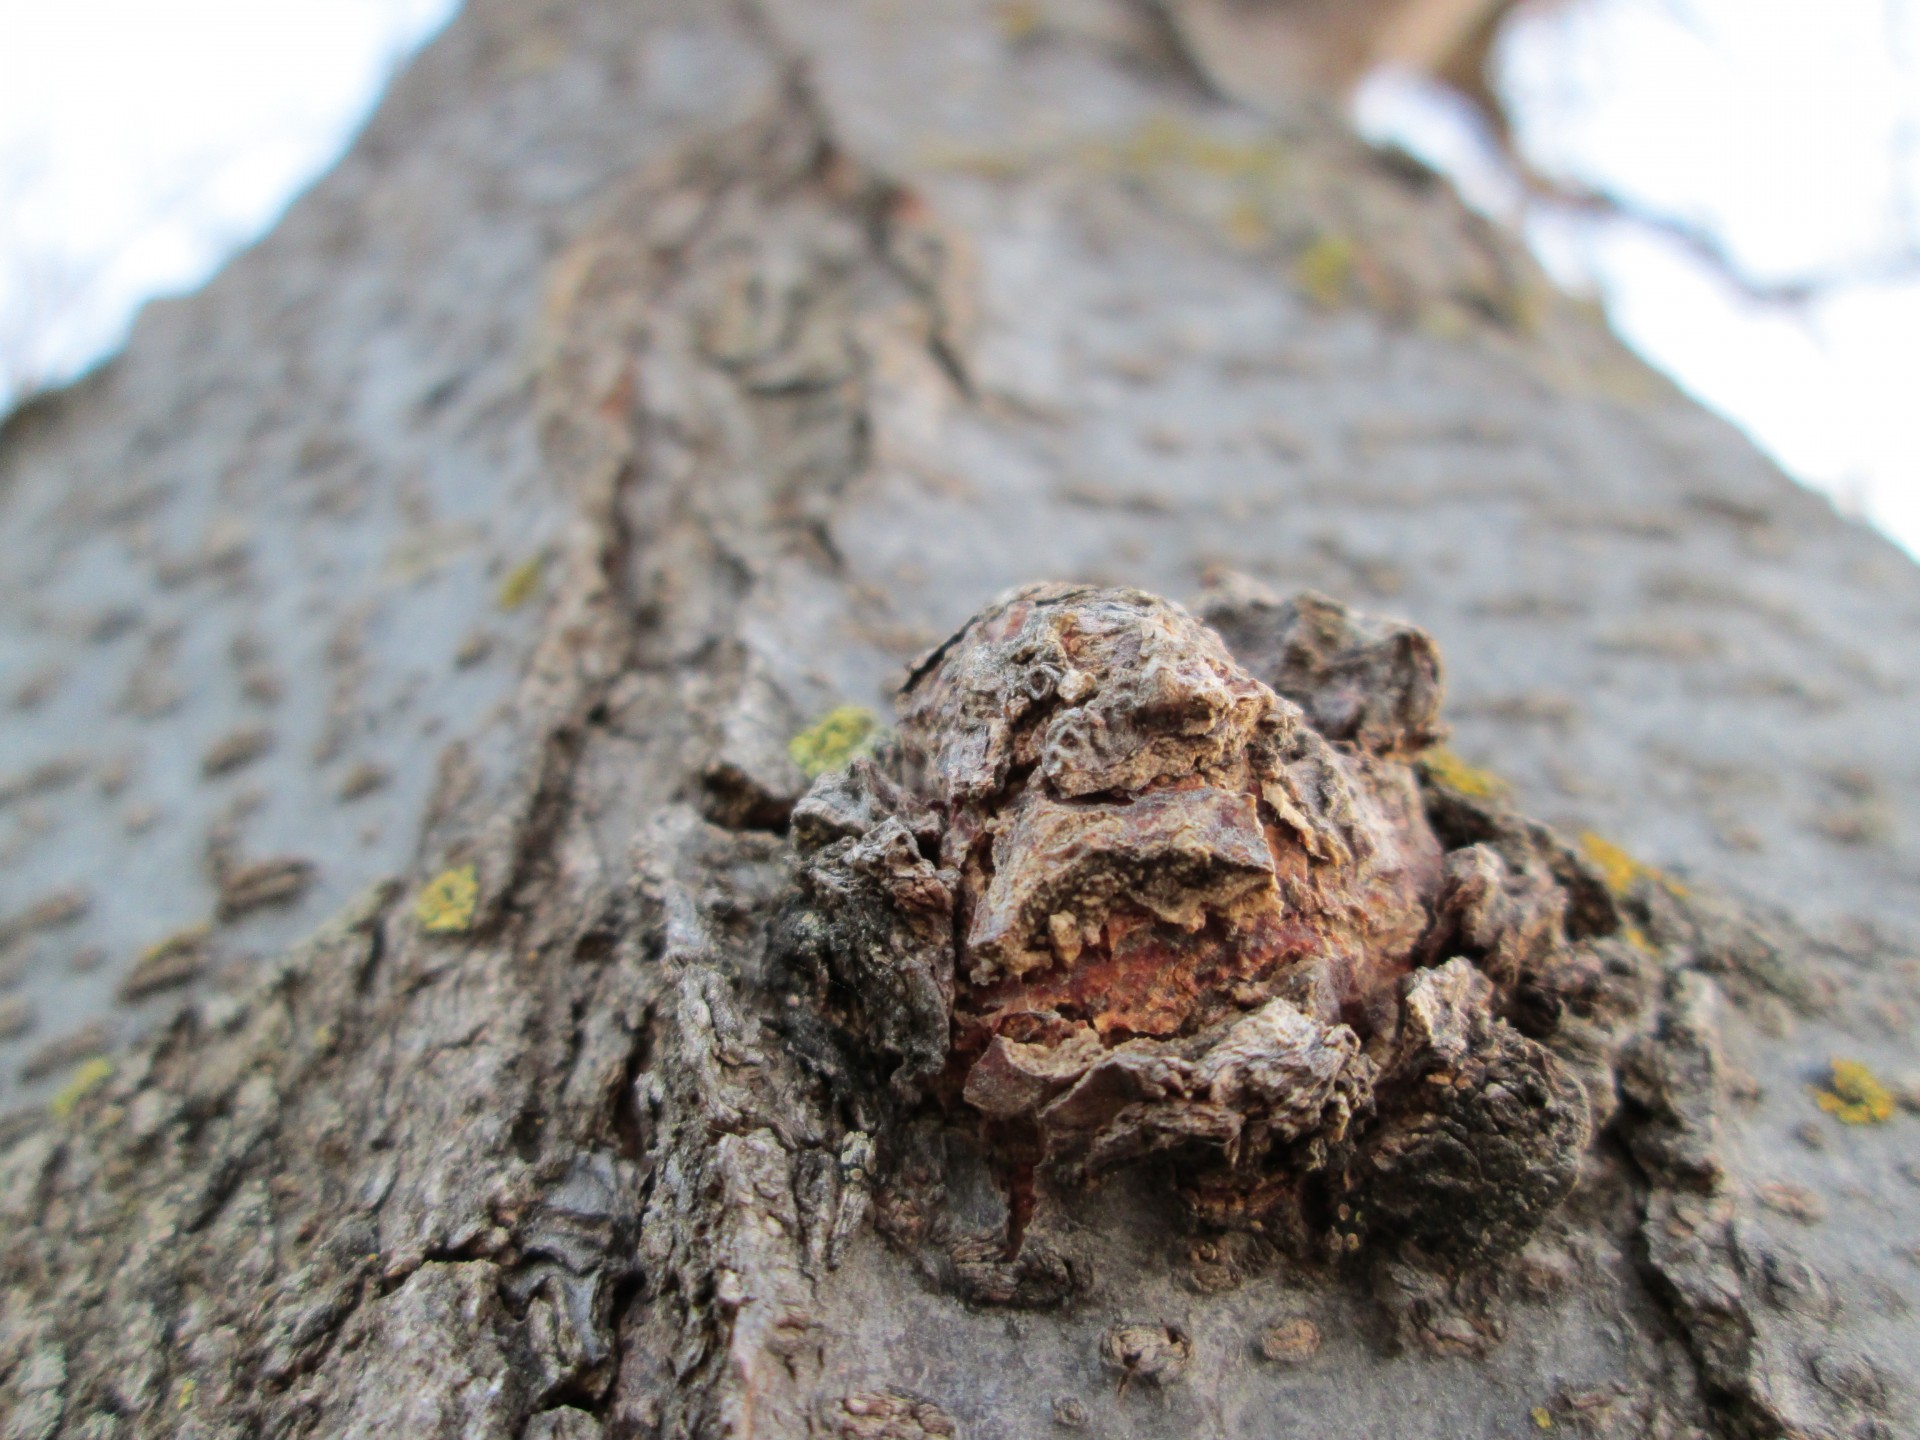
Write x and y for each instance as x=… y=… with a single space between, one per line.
x=1143 y=976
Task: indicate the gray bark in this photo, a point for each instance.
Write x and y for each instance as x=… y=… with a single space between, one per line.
x=788 y=335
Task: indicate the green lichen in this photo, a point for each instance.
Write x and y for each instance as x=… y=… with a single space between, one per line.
x=984 y=162
x=446 y=903
x=1325 y=269
x=89 y=1077
x=521 y=583
x=185 y=940
x=1447 y=770
x=835 y=738
x=1241 y=185
x=1167 y=142
x=1854 y=1095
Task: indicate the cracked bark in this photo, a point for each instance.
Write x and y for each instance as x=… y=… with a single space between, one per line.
x=850 y=328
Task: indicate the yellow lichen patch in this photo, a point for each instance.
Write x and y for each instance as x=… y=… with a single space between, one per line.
x=88 y=1078
x=1325 y=268
x=446 y=903
x=168 y=962
x=1167 y=141
x=521 y=582
x=835 y=738
x=1854 y=1095
x=186 y=938
x=1622 y=871
x=981 y=161
x=1542 y=1418
x=1443 y=320
x=1619 y=869
x=1160 y=141
x=1448 y=770
x=1225 y=158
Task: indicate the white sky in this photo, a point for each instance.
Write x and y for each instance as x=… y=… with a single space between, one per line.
x=1792 y=133
x=141 y=141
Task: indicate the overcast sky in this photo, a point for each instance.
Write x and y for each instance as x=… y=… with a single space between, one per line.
x=1792 y=132
x=142 y=140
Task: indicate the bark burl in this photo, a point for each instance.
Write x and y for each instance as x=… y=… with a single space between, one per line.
x=1120 y=891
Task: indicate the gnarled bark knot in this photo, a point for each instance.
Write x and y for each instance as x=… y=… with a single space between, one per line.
x=1128 y=884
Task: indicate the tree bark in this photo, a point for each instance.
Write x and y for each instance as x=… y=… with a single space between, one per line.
x=653 y=379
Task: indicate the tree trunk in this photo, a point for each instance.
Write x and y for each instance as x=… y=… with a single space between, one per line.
x=652 y=380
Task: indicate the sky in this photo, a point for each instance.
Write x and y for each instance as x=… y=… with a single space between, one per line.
x=1789 y=132
x=142 y=141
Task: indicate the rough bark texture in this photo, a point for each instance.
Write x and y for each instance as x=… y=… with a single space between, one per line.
x=655 y=378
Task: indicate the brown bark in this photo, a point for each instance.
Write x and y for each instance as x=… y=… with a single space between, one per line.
x=789 y=336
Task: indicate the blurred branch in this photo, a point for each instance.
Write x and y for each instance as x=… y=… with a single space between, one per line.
x=1468 y=68
x=1703 y=245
